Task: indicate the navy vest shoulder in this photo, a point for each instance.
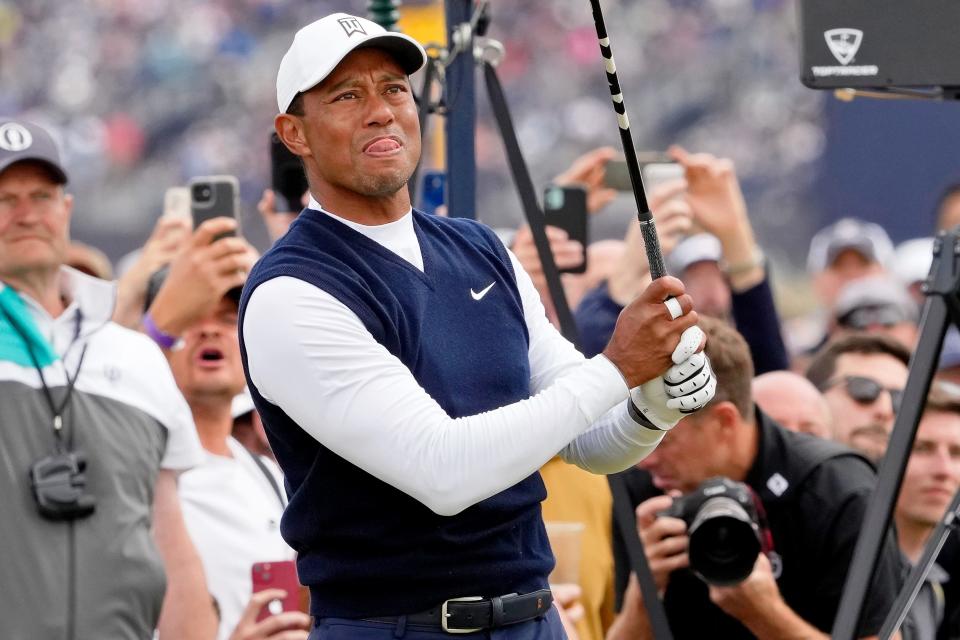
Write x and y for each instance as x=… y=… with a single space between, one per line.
x=364 y=547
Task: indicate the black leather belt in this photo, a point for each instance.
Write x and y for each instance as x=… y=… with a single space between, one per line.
x=473 y=613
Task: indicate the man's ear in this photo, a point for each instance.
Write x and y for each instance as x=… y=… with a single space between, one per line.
x=68 y=205
x=727 y=417
x=290 y=130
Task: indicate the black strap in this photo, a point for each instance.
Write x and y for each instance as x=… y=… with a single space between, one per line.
x=625 y=517
x=528 y=197
x=269 y=476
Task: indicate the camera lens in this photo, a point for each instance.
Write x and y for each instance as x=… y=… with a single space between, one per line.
x=202 y=192
x=723 y=542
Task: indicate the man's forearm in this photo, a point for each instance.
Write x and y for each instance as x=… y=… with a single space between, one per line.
x=615 y=442
x=187 y=612
x=632 y=623
x=781 y=623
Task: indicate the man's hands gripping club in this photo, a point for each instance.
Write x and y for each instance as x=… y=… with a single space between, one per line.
x=657 y=347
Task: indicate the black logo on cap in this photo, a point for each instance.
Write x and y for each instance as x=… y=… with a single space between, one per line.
x=351 y=26
x=14 y=137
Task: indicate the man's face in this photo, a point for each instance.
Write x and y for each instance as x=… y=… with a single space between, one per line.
x=849 y=265
x=689 y=454
x=34 y=220
x=209 y=366
x=949 y=215
x=864 y=425
x=933 y=471
x=709 y=289
x=362 y=127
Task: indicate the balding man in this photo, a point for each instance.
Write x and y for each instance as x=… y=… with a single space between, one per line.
x=793 y=401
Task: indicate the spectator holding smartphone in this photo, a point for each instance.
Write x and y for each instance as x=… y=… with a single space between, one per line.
x=233 y=500
x=94 y=435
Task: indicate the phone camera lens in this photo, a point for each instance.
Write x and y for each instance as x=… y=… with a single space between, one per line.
x=202 y=193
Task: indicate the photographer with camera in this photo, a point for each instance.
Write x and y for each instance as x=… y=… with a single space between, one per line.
x=797 y=498
x=94 y=434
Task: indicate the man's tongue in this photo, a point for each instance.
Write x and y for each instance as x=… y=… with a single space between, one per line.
x=385 y=145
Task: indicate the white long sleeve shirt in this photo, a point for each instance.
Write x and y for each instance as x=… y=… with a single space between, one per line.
x=314 y=358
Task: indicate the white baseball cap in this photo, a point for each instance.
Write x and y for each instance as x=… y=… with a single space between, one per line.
x=867 y=238
x=319 y=47
x=701 y=247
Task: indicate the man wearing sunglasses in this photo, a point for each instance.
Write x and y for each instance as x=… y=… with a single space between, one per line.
x=862 y=378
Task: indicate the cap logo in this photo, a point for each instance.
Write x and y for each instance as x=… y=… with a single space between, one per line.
x=14 y=137
x=351 y=26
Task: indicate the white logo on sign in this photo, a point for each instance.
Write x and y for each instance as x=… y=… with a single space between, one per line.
x=777 y=484
x=14 y=137
x=478 y=296
x=844 y=43
x=351 y=26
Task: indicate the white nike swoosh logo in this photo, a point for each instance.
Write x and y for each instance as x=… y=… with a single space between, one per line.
x=478 y=296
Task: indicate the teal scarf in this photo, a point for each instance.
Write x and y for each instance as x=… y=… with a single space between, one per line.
x=19 y=332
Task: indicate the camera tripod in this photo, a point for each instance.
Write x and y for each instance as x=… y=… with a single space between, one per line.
x=941 y=309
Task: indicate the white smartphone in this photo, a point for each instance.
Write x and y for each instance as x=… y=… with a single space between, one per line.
x=176 y=203
x=656 y=173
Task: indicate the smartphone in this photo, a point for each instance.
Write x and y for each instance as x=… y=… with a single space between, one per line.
x=617 y=175
x=176 y=203
x=277 y=575
x=656 y=173
x=213 y=197
x=287 y=177
x=433 y=191
x=566 y=207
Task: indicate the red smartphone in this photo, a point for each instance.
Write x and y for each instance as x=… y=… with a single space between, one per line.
x=277 y=575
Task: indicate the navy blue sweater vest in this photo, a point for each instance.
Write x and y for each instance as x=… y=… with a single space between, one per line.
x=365 y=548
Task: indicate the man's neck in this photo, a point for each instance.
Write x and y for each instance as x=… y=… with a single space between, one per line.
x=744 y=450
x=366 y=210
x=214 y=422
x=912 y=536
x=43 y=287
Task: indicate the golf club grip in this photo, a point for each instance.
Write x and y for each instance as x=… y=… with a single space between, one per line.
x=651 y=243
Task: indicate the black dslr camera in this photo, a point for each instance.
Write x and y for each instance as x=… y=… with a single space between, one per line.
x=59 y=486
x=724 y=530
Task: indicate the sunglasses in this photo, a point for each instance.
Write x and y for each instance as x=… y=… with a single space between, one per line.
x=866 y=390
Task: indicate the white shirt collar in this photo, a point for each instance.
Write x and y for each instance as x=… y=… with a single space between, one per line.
x=93 y=297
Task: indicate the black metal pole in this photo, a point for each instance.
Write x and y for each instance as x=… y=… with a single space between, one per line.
x=460 y=98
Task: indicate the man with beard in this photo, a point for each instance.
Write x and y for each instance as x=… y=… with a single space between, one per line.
x=409 y=381
x=862 y=378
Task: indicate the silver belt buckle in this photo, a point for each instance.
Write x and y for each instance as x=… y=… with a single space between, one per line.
x=444 y=615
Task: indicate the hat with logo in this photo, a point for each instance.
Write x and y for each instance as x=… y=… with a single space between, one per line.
x=320 y=46
x=701 y=247
x=874 y=300
x=866 y=238
x=24 y=141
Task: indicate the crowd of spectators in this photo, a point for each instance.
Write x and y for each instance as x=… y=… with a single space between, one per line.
x=146 y=94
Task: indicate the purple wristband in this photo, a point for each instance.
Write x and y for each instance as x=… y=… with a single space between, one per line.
x=165 y=340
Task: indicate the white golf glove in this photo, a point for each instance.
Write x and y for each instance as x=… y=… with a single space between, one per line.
x=683 y=389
